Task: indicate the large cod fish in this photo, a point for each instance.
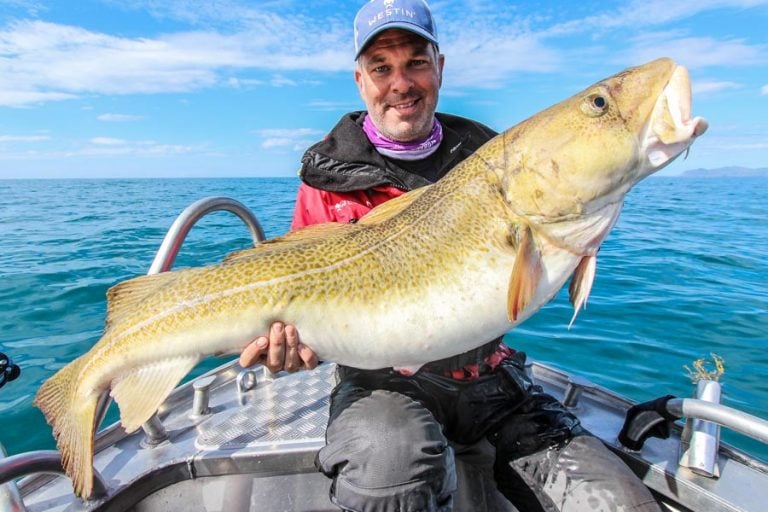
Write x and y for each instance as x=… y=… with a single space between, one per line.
x=433 y=273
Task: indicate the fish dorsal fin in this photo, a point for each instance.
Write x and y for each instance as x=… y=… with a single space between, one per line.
x=126 y=295
x=319 y=231
x=525 y=274
x=140 y=392
x=392 y=207
x=303 y=235
x=581 y=284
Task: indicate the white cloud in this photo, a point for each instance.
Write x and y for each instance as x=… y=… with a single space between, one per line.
x=288 y=132
x=293 y=139
x=712 y=86
x=334 y=106
x=638 y=33
x=237 y=83
x=280 y=143
x=119 y=118
x=736 y=143
x=486 y=47
x=108 y=146
x=474 y=57
x=103 y=147
x=48 y=61
x=281 y=81
x=736 y=140
x=644 y=13
x=24 y=138
x=747 y=146
x=204 y=13
x=764 y=90
x=11 y=97
x=31 y=7
x=107 y=141
x=695 y=52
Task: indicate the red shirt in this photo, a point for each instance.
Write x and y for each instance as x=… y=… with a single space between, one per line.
x=315 y=206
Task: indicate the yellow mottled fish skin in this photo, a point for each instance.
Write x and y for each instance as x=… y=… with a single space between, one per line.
x=425 y=276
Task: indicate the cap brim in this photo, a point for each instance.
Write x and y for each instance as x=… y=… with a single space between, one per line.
x=410 y=27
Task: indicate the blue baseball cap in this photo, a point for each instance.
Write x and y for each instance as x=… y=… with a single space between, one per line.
x=379 y=15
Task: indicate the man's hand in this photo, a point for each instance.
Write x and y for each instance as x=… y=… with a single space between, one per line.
x=282 y=350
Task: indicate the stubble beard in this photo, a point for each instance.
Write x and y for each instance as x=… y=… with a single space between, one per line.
x=407 y=130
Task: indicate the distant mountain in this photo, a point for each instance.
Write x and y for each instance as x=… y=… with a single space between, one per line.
x=726 y=172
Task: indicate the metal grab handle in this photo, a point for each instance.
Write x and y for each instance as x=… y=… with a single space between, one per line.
x=42 y=461
x=733 y=419
x=178 y=231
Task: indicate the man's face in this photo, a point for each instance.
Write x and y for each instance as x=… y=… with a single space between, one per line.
x=398 y=77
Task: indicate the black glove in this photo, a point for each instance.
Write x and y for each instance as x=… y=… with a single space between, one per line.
x=649 y=419
x=541 y=422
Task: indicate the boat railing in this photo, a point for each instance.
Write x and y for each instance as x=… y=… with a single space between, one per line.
x=728 y=417
x=49 y=461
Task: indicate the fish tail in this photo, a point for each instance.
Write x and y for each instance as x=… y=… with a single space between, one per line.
x=73 y=418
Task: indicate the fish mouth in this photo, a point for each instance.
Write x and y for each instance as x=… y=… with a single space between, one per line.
x=671 y=129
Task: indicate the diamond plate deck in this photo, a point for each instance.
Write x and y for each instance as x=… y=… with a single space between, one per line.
x=291 y=409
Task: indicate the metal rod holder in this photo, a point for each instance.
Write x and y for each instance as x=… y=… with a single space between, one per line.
x=155 y=431
x=700 y=440
x=201 y=398
x=576 y=386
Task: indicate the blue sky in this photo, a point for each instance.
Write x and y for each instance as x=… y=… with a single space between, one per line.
x=156 y=88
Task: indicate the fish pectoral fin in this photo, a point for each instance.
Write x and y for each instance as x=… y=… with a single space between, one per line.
x=526 y=274
x=125 y=296
x=140 y=392
x=392 y=207
x=581 y=284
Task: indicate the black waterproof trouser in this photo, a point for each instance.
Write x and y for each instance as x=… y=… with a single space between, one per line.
x=389 y=444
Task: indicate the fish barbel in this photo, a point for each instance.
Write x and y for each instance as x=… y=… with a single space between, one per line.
x=433 y=273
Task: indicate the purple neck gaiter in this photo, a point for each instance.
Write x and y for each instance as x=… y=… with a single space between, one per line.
x=415 y=150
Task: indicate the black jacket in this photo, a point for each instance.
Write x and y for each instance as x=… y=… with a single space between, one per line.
x=346 y=160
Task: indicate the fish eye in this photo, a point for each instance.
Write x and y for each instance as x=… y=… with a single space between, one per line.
x=595 y=105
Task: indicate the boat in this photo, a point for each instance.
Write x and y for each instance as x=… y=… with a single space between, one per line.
x=244 y=439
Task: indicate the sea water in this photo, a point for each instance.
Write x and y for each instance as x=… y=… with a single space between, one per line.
x=682 y=276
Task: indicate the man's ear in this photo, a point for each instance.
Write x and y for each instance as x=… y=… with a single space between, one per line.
x=359 y=79
x=440 y=64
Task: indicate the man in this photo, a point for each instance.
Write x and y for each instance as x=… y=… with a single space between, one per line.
x=391 y=437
